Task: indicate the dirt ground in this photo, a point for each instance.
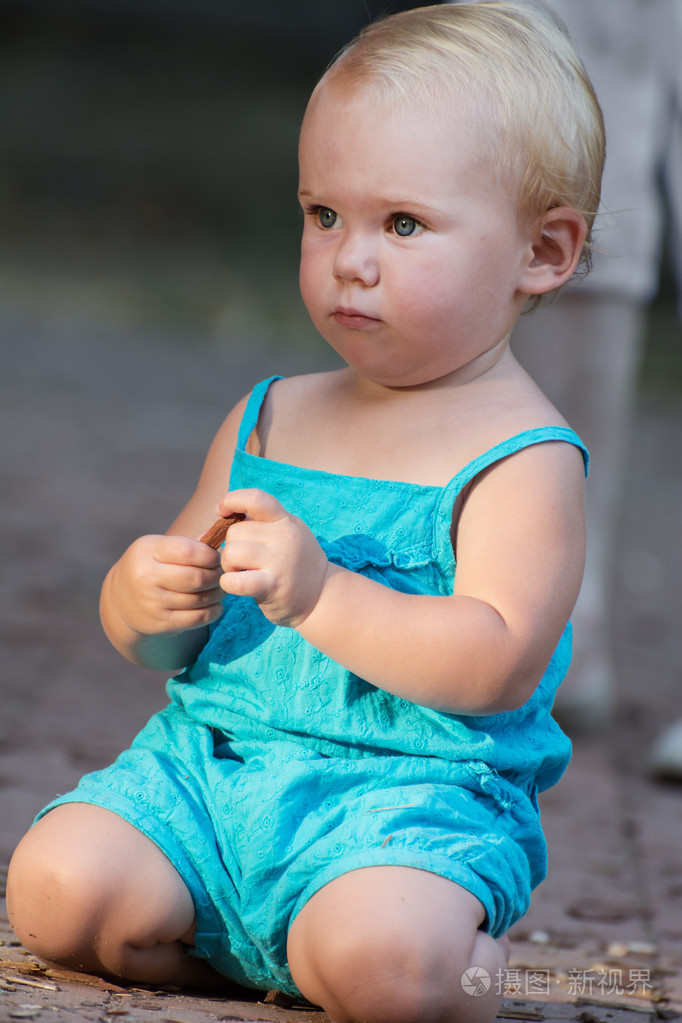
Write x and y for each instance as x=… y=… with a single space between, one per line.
x=102 y=438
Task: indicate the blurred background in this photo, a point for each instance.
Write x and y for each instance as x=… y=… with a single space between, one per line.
x=148 y=277
x=148 y=159
x=148 y=164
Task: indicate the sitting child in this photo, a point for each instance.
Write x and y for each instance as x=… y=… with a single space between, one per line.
x=340 y=799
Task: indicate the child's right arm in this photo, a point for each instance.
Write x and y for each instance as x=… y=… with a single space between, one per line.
x=162 y=594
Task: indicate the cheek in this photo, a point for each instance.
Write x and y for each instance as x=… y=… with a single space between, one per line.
x=308 y=277
x=431 y=292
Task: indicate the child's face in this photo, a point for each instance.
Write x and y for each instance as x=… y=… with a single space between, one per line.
x=412 y=252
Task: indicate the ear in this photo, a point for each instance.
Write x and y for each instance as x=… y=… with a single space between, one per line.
x=559 y=238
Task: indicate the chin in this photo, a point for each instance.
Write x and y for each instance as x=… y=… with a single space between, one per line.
x=392 y=379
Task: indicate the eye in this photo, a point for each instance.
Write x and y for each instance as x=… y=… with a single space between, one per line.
x=405 y=225
x=326 y=217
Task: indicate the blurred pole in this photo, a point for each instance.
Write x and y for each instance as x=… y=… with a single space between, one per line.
x=584 y=349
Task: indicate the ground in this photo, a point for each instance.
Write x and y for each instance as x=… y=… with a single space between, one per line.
x=102 y=440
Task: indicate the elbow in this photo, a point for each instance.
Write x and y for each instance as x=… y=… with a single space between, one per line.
x=513 y=675
x=502 y=700
x=507 y=691
x=510 y=699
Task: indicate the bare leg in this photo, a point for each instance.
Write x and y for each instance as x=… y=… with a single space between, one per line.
x=390 y=945
x=88 y=891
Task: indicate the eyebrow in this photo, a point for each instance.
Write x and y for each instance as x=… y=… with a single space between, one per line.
x=397 y=204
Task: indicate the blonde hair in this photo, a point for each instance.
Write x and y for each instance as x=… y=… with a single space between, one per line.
x=513 y=66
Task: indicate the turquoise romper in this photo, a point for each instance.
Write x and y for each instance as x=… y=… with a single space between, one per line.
x=274 y=770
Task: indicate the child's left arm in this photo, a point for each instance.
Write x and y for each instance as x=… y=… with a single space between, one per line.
x=482 y=650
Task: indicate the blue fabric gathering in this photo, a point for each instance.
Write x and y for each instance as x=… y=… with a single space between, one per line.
x=274 y=770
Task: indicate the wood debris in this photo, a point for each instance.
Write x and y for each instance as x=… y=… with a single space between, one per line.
x=105 y=985
x=523 y=1014
x=35 y=983
x=21 y=967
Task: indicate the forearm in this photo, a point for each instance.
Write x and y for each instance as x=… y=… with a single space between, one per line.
x=161 y=652
x=450 y=653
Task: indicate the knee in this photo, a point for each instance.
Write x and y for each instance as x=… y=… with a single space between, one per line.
x=379 y=976
x=384 y=977
x=54 y=902
x=89 y=891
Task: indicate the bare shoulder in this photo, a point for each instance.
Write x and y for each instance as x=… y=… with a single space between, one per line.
x=548 y=466
x=532 y=500
x=510 y=402
x=528 y=505
x=295 y=409
x=424 y=436
x=291 y=392
x=545 y=463
x=492 y=410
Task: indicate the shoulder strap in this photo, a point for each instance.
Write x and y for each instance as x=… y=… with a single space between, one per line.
x=252 y=410
x=443 y=518
x=526 y=439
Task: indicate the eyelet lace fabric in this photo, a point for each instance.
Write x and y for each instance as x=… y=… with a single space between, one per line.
x=257 y=682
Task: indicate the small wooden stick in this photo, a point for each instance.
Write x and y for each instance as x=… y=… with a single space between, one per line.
x=216 y=534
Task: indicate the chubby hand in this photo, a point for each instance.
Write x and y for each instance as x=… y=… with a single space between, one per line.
x=273 y=557
x=165 y=585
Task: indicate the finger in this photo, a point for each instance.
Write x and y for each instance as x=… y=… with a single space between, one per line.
x=182 y=550
x=182 y=619
x=241 y=555
x=188 y=579
x=257 y=504
x=254 y=583
x=176 y=600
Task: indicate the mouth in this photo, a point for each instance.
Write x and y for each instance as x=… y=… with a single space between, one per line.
x=353 y=318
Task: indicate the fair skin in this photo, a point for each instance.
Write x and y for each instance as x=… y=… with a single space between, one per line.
x=414 y=268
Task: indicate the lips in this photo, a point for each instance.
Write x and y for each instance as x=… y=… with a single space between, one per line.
x=353 y=318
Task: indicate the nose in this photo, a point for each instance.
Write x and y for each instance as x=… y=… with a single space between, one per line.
x=356 y=259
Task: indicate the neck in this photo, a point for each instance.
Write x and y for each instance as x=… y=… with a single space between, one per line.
x=483 y=366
